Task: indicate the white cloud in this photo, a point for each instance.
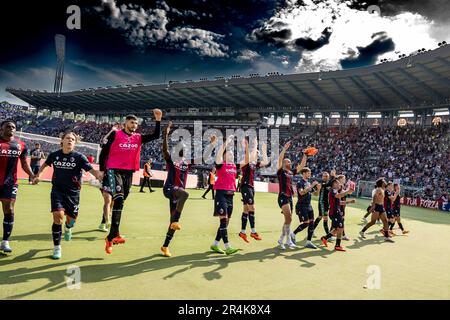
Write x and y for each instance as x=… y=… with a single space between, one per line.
x=144 y=28
x=247 y=55
x=351 y=29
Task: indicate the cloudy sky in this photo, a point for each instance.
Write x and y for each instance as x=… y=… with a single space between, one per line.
x=122 y=42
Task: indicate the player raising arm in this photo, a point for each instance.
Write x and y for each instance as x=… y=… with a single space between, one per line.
x=248 y=169
x=286 y=192
x=120 y=158
x=225 y=188
x=174 y=188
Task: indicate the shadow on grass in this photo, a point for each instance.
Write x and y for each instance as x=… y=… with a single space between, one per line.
x=96 y=273
x=48 y=236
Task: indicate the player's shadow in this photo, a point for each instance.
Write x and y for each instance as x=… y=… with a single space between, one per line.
x=48 y=237
x=96 y=273
x=28 y=256
x=302 y=254
x=358 y=243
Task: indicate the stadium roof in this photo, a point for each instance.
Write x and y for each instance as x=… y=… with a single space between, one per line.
x=419 y=81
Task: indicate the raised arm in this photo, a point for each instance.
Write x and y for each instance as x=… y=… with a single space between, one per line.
x=156 y=133
x=166 y=131
x=223 y=147
x=282 y=154
x=344 y=194
x=319 y=186
x=246 y=159
x=308 y=189
x=265 y=160
x=302 y=163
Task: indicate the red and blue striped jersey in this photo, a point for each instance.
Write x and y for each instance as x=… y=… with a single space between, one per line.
x=10 y=152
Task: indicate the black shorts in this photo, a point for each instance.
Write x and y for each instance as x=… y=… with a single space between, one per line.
x=169 y=194
x=305 y=213
x=396 y=212
x=248 y=194
x=379 y=208
x=283 y=200
x=65 y=201
x=323 y=209
x=8 y=193
x=390 y=214
x=117 y=182
x=337 y=220
x=35 y=169
x=223 y=203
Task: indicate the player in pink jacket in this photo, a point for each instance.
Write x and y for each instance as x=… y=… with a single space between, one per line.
x=119 y=159
x=225 y=188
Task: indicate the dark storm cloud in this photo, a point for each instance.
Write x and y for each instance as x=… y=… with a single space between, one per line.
x=275 y=37
x=368 y=55
x=311 y=44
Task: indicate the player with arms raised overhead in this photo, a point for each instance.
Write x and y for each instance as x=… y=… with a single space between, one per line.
x=174 y=188
x=248 y=169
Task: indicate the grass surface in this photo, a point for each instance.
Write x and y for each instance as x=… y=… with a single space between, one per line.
x=415 y=267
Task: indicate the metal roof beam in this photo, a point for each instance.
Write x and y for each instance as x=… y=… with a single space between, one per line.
x=397 y=89
x=345 y=92
x=435 y=74
x=265 y=94
x=322 y=92
x=306 y=96
x=286 y=97
x=421 y=84
x=362 y=86
x=246 y=94
x=213 y=96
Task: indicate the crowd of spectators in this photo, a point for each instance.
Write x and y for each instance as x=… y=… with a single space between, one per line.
x=412 y=155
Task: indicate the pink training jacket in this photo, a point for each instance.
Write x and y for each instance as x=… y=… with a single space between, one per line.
x=125 y=152
x=226 y=177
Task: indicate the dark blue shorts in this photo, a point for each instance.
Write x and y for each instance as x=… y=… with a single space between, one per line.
x=305 y=213
x=379 y=208
x=283 y=200
x=248 y=194
x=390 y=214
x=67 y=202
x=396 y=212
x=8 y=193
x=337 y=220
x=169 y=193
x=223 y=203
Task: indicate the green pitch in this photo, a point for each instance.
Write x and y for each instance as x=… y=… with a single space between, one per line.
x=415 y=267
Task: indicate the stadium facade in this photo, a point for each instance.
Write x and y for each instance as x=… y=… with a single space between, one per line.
x=419 y=83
